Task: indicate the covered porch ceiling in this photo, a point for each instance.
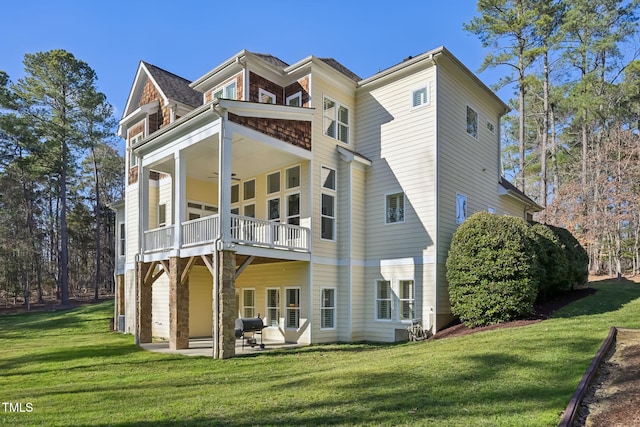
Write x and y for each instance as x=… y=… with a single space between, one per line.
x=250 y=157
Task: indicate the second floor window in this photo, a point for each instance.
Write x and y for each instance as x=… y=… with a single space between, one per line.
x=266 y=97
x=336 y=120
x=394 y=208
x=328 y=203
x=227 y=91
x=472 y=122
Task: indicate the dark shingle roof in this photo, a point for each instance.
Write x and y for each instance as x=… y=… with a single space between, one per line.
x=276 y=62
x=344 y=70
x=175 y=87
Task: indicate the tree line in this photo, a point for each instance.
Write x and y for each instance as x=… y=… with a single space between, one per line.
x=572 y=141
x=59 y=171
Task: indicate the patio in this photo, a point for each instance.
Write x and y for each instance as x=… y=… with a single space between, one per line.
x=204 y=347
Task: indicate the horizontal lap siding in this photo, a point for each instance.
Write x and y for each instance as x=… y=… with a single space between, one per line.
x=400 y=141
x=160 y=308
x=279 y=275
x=200 y=302
x=466 y=165
x=131 y=223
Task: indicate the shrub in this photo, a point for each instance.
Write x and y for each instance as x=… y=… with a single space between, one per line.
x=554 y=275
x=577 y=257
x=492 y=270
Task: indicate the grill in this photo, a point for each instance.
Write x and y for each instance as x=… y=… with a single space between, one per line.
x=248 y=328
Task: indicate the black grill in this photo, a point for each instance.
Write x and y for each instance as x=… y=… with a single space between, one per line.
x=252 y=326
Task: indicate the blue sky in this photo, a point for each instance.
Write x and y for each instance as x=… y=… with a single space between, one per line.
x=190 y=38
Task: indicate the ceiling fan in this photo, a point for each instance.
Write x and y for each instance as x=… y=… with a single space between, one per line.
x=234 y=177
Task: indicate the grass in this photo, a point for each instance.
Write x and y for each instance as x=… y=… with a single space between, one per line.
x=74 y=372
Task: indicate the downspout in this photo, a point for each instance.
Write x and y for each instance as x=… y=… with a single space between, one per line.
x=350 y=253
x=434 y=322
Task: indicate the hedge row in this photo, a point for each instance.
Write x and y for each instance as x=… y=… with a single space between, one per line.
x=499 y=266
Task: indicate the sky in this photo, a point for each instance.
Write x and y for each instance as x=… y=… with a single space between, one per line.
x=189 y=38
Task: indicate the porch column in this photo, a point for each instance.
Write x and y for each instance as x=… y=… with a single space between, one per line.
x=226 y=304
x=179 y=198
x=144 y=297
x=178 y=305
x=224 y=188
x=143 y=191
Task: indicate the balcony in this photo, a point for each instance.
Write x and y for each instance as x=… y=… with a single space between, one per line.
x=245 y=231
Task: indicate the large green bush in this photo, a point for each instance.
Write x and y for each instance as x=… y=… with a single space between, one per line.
x=553 y=259
x=492 y=270
x=577 y=257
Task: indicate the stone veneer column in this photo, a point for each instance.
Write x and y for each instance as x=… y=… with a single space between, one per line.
x=227 y=304
x=178 y=305
x=144 y=296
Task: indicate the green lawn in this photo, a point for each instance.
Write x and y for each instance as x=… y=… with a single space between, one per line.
x=72 y=371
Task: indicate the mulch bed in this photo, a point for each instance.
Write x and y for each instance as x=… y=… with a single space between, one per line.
x=542 y=311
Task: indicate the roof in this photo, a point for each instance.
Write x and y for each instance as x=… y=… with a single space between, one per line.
x=341 y=68
x=174 y=87
x=276 y=62
x=515 y=192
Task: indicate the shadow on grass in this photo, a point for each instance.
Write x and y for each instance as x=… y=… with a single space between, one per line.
x=617 y=295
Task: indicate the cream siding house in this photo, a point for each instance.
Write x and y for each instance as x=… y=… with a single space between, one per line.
x=302 y=194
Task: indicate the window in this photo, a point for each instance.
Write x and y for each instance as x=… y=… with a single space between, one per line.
x=133 y=159
x=235 y=193
x=461 y=208
x=328 y=217
x=250 y=211
x=293 y=209
x=197 y=210
x=472 y=122
x=273 y=209
x=295 y=100
x=328 y=309
x=328 y=178
x=248 y=303
x=419 y=97
x=273 y=307
x=394 y=208
x=228 y=91
x=249 y=190
x=293 y=307
x=407 y=299
x=292 y=177
x=336 y=120
x=266 y=97
x=273 y=182
x=383 y=300
x=122 y=246
x=328 y=203
x=491 y=127
x=162 y=215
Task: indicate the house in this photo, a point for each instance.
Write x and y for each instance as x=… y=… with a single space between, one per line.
x=318 y=200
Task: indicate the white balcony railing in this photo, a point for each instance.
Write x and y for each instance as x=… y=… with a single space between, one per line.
x=158 y=239
x=200 y=231
x=244 y=230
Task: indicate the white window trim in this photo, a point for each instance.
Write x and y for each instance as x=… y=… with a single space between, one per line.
x=466 y=129
x=404 y=209
x=122 y=239
x=337 y=106
x=397 y=297
x=202 y=211
x=376 y=299
x=278 y=197
x=297 y=95
x=267 y=307
x=266 y=185
x=263 y=92
x=161 y=224
x=333 y=193
x=299 y=165
x=466 y=208
x=298 y=308
x=493 y=127
x=244 y=303
x=422 y=104
x=334 y=308
x=255 y=190
x=224 y=88
x=133 y=159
